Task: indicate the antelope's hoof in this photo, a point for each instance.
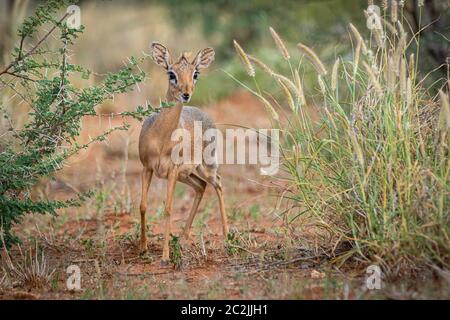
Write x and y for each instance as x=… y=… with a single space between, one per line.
x=165 y=262
x=143 y=248
x=185 y=241
x=186 y=236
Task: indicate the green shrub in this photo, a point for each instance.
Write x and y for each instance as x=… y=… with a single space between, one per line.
x=41 y=77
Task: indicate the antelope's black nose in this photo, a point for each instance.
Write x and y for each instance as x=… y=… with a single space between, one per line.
x=186 y=96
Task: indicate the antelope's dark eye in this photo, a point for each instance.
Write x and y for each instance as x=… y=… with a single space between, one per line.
x=172 y=76
x=196 y=75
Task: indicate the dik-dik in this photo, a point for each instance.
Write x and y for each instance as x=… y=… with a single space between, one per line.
x=156 y=145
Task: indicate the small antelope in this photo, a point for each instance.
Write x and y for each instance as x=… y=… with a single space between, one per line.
x=155 y=144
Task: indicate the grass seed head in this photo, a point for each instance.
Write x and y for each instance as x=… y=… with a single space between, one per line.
x=323 y=88
x=389 y=26
x=444 y=115
x=288 y=83
x=379 y=37
x=264 y=67
x=334 y=74
x=280 y=44
x=244 y=59
x=269 y=108
x=411 y=65
x=358 y=38
x=373 y=78
x=301 y=96
x=394 y=11
x=403 y=77
x=313 y=58
x=409 y=93
x=288 y=96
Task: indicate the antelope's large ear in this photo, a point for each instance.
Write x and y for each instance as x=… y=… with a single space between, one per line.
x=160 y=55
x=204 y=58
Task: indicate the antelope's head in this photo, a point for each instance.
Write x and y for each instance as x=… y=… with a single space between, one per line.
x=182 y=74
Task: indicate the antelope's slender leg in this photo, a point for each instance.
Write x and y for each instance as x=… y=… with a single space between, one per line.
x=219 y=191
x=199 y=186
x=214 y=179
x=146 y=178
x=171 y=181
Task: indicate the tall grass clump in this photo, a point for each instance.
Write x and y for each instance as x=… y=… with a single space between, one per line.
x=31 y=270
x=367 y=157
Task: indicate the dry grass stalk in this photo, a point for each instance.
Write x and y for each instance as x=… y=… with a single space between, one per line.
x=313 y=58
x=358 y=38
x=373 y=78
x=403 y=77
x=287 y=82
x=31 y=271
x=301 y=94
x=400 y=28
x=264 y=67
x=401 y=48
x=356 y=147
x=288 y=96
x=444 y=115
x=244 y=59
x=323 y=88
x=4 y=283
x=389 y=26
x=409 y=97
x=270 y=108
x=334 y=74
x=280 y=44
x=356 y=58
x=379 y=37
x=391 y=74
x=394 y=11
x=394 y=61
x=411 y=63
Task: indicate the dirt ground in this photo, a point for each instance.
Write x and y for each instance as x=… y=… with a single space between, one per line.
x=264 y=260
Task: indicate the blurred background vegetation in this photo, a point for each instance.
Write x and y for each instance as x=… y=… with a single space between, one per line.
x=117 y=29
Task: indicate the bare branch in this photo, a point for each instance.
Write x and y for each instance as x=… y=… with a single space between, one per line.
x=12 y=64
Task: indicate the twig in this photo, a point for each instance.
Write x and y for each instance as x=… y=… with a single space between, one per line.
x=6 y=69
x=19 y=76
x=144 y=273
x=243 y=249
